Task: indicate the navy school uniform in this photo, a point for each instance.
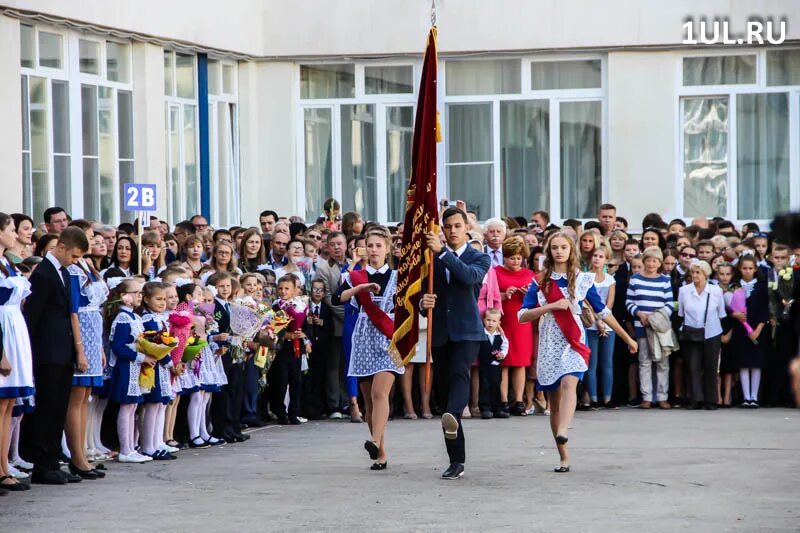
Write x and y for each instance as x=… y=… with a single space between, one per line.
x=226 y=405
x=127 y=362
x=319 y=363
x=162 y=390
x=285 y=373
x=491 y=371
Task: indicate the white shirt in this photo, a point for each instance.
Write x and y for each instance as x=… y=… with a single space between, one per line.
x=503 y=345
x=692 y=306
x=56 y=263
x=457 y=254
x=382 y=270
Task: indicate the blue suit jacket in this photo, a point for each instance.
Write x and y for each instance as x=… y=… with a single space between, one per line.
x=456 y=316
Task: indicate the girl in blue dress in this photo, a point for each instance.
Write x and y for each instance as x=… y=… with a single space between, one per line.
x=16 y=364
x=127 y=362
x=563 y=352
x=88 y=293
x=156 y=318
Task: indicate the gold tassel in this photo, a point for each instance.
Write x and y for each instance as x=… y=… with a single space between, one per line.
x=439 y=136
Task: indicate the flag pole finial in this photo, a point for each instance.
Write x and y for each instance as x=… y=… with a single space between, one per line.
x=433 y=12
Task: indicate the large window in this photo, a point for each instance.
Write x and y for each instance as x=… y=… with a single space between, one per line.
x=223 y=117
x=737 y=134
x=524 y=135
x=183 y=168
x=77 y=123
x=356 y=138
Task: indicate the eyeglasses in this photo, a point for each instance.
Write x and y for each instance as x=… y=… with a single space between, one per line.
x=317 y=289
x=223 y=253
x=316 y=237
x=688 y=255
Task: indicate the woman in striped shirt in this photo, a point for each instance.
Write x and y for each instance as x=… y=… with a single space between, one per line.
x=649 y=292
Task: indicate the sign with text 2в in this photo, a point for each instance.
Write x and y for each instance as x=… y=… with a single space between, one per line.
x=140 y=197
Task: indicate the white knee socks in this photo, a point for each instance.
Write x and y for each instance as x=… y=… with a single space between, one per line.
x=13 y=450
x=203 y=411
x=126 y=420
x=159 y=434
x=150 y=416
x=97 y=425
x=751 y=382
x=193 y=414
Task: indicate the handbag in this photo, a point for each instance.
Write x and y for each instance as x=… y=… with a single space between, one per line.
x=689 y=334
x=588 y=318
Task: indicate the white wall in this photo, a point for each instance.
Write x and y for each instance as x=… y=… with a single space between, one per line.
x=10 y=118
x=642 y=107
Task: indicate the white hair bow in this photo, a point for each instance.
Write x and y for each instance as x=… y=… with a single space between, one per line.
x=113 y=283
x=180 y=282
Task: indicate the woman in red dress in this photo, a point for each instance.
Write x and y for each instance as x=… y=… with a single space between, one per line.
x=510 y=283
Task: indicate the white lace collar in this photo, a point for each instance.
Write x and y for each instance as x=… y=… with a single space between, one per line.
x=558 y=275
x=381 y=270
x=748 y=286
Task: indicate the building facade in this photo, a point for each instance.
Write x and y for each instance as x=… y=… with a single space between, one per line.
x=233 y=108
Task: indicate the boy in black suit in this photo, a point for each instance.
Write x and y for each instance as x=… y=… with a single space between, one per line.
x=54 y=350
x=492 y=351
x=320 y=333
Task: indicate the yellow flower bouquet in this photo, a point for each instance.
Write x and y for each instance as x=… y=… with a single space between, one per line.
x=155 y=344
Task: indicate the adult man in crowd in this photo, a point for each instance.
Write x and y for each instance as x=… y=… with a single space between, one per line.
x=330 y=272
x=457 y=329
x=109 y=234
x=55 y=219
x=277 y=252
x=267 y=221
x=607 y=216
x=495 y=233
x=47 y=313
x=200 y=223
x=542 y=221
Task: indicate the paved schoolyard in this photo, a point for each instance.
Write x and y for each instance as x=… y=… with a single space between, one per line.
x=631 y=471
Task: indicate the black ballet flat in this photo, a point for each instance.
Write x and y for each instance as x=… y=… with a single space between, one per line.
x=83 y=474
x=372 y=449
x=99 y=466
x=13 y=487
x=201 y=445
x=100 y=475
x=379 y=466
x=562 y=439
x=561 y=470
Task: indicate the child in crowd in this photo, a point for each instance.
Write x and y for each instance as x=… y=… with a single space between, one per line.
x=124 y=327
x=728 y=366
x=320 y=333
x=491 y=353
x=781 y=299
x=176 y=371
x=252 y=287
x=750 y=347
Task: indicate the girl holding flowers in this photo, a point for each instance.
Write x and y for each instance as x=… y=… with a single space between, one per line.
x=178 y=370
x=749 y=337
x=125 y=327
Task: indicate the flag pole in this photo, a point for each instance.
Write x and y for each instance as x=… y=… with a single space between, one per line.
x=429 y=329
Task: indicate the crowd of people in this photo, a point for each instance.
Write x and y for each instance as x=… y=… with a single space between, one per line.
x=579 y=316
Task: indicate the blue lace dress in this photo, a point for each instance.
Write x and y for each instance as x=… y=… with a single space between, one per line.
x=88 y=295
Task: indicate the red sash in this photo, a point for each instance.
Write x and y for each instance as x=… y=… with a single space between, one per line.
x=566 y=321
x=379 y=318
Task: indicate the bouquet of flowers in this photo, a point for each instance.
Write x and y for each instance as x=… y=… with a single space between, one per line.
x=155 y=344
x=296 y=311
x=193 y=347
x=247 y=319
x=738 y=304
x=783 y=287
x=180 y=325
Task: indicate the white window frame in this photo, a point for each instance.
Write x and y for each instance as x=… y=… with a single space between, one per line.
x=555 y=98
x=731 y=91
x=381 y=103
x=175 y=100
x=214 y=100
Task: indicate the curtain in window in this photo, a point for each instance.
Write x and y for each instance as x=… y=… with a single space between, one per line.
x=399 y=135
x=359 y=182
x=705 y=157
x=762 y=160
x=581 y=158
x=490 y=76
x=469 y=168
x=317 y=124
x=525 y=156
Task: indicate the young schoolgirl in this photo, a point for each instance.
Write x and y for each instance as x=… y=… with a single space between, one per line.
x=728 y=366
x=125 y=326
x=209 y=377
x=750 y=348
x=177 y=370
x=252 y=286
x=156 y=318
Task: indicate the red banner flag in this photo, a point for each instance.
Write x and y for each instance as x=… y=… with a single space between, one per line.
x=421 y=214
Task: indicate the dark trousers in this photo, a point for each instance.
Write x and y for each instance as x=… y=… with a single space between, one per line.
x=285 y=373
x=333 y=376
x=226 y=405
x=42 y=429
x=314 y=392
x=489 y=391
x=776 y=382
x=251 y=375
x=453 y=361
x=703 y=360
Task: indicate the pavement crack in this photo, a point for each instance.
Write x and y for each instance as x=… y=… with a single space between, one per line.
x=653 y=483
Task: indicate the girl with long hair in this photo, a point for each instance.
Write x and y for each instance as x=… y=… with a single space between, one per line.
x=252 y=252
x=563 y=353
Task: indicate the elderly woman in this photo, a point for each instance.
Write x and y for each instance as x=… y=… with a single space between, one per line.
x=506 y=285
x=701 y=306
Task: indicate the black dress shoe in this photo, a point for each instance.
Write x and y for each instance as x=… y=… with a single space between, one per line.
x=256 y=423
x=49 y=477
x=710 y=406
x=72 y=478
x=83 y=474
x=561 y=470
x=240 y=437
x=502 y=414
x=379 y=466
x=100 y=473
x=295 y=422
x=13 y=487
x=99 y=466
x=372 y=449
x=453 y=472
x=694 y=406
x=197 y=442
x=562 y=439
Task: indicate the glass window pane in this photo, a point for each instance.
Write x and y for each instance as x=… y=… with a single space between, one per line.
x=61 y=182
x=581 y=158
x=91 y=189
x=318 y=159
x=89 y=56
x=227 y=79
x=719 y=70
x=89 y=119
x=762 y=153
x=191 y=169
x=489 y=76
x=214 y=76
x=184 y=74
x=60 y=117
x=469 y=133
x=27 y=194
x=40 y=146
x=169 y=88
x=125 y=176
x=227 y=182
x=566 y=75
x=40 y=191
x=125 y=124
x=108 y=161
x=327 y=81
x=359 y=181
x=27 y=46
x=118 y=62
x=389 y=80
x=705 y=157
x=49 y=50
x=525 y=156
x=26 y=125
x=783 y=67
x=473 y=184
x=174 y=162
x=399 y=136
